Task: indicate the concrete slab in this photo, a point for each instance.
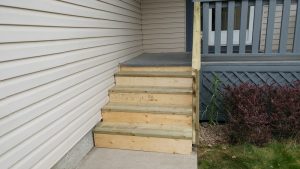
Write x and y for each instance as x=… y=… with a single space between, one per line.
x=102 y=158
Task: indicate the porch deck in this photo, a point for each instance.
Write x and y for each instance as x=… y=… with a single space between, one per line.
x=185 y=59
x=161 y=59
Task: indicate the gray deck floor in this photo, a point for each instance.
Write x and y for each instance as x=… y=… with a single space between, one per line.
x=161 y=59
x=185 y=59
x=101 y=158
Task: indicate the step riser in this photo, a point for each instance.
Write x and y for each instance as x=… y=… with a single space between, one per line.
x=148 y=118
x=155 y=69
x=164 y=145
x=154 y=81
x=151 y=99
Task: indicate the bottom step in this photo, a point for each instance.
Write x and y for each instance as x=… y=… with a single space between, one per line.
x=157 y=138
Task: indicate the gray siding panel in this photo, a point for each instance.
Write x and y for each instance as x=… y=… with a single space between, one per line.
x=163 y=24
x=56 y=65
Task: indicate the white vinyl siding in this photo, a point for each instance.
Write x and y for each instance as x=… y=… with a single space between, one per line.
x=277 y=27
x=57 y=60
x=164 y=26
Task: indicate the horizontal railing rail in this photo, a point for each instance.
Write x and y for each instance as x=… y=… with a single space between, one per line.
x=250 y=27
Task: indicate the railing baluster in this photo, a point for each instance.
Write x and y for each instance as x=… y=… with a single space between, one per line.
x=257 y=25
x=243 y=26
x=205 y=35
x=230 y=28
x=270 y=25
x=218 y=10
x=254 y=17
x=284 y=26
x=296 y=47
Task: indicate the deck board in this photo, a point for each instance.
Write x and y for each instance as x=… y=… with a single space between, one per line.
x=161 y=59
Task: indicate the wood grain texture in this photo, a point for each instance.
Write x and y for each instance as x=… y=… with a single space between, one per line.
x=178 y=110
x=150 y=89
x=147 y=118
x=153 y=69
x=155 y=74
x=164 y=145
x=145 y=130
x=151 y=99
x=196 y=53
x=154 y=81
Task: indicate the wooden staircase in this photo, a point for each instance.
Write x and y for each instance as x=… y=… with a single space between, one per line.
x=150 y=109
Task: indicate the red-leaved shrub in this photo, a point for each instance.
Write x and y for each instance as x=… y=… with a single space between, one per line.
x=258 y=113
x=284 y=108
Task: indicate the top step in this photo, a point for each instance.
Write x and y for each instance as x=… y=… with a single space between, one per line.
x=155 y=68
x=154 y=74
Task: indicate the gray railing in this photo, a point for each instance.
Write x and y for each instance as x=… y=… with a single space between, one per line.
x=250 y=27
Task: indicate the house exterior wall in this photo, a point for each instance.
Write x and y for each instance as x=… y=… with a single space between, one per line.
x=57 y=60
x=163 y=24
x=277 y=27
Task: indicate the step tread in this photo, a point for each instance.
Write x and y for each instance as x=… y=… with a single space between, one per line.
x=144 y=130
x=178 y=110
x=151 y=89
x=155 y=74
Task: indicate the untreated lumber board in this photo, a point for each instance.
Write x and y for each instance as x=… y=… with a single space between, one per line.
x=147 y=118
x=150 y=89
x=154 y=81
x=159 y=109
x=145 y=130
x=196 y=53
x=158 y=68
x=155 y=144
x=151 y=98
x=155 y=74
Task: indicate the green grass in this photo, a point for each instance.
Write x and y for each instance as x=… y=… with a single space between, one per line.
x=272 y=156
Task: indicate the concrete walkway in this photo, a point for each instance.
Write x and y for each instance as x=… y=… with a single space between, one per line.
x=101 y=158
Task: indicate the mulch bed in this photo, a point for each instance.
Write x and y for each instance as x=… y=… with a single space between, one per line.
x=210 y=135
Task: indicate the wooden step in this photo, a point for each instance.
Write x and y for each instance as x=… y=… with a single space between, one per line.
x=155 y=79
x=151 y=89
x=149 y=114
x=158 y=138
x=151 y=96
x=154 y=74
x=155 y=68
